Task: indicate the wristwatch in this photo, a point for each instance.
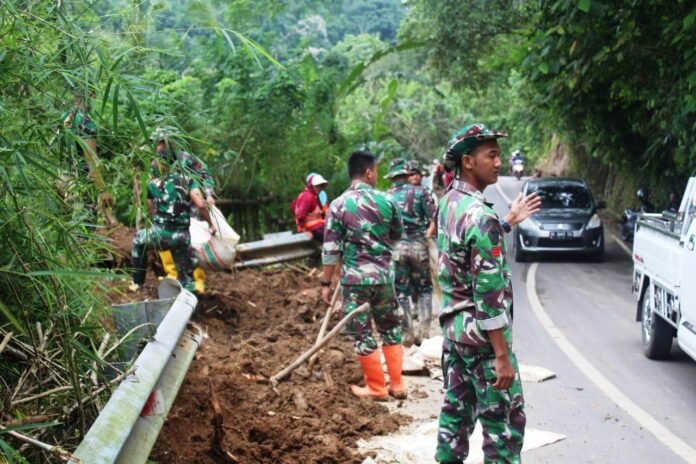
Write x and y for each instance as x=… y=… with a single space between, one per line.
x=325 y=283
x=506 y=227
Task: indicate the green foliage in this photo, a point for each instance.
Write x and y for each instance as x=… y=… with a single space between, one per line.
x=625 y=90
x=614 y=79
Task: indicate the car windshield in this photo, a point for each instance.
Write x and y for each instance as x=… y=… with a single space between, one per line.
x=562 y=195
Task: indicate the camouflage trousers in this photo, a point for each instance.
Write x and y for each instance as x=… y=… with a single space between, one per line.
x=414 y=286
x=178 y=241
x=412 y=269
x=469 y=375
x=384 y=311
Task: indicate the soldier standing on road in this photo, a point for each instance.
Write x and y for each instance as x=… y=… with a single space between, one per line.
x=362 y=228
x=169 y=199
x=481 y=372
x=413 y=283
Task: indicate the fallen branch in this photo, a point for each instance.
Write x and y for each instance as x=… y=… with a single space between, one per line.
x=219 y=428
x=5 y=341
x=42 y=395
x=317 y=346
x=29 y=420
x=324 y=326
x=57 y=451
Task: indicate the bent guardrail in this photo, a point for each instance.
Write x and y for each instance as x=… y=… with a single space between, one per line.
x=275 y=248
x=128 y=426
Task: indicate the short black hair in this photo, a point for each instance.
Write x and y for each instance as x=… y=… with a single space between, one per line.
x=359 y=162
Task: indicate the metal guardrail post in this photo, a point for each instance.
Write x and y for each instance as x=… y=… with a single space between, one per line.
x=147 y=428
x=108 y=435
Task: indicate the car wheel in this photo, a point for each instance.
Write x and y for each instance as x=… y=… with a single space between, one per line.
x=520 y=256
x=657 y=334
x=599 y=255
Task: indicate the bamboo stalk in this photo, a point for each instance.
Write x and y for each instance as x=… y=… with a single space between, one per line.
x=42 y=395
x=57 y=451
x=5 y=341
x=304 y=356
x=324 y=325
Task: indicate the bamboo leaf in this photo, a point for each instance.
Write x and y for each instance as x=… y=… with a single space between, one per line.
x=107 y=89
x=11 y=454
x=25 y=427
x=7 y=312
x=138 y=116
x=67 y=273
x=114 y=110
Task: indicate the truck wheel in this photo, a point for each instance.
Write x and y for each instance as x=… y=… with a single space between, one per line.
x=657 y=333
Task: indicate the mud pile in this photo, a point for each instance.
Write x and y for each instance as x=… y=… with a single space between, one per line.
x=257 y=322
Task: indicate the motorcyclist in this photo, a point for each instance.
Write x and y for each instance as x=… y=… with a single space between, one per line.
x=628 y=222
x=517 y=158
x=643 y=195
x=672 y=204
x=517 y=155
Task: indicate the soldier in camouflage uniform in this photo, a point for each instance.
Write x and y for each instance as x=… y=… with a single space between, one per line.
x=413 y=282
x=170 y=197
x=362 y=228
x=196 y=169
x=481 y=372
x=79 y=122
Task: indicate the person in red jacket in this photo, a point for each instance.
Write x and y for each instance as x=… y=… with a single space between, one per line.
x=310 y=212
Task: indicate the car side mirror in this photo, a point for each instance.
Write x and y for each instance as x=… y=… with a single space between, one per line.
x=601 y=204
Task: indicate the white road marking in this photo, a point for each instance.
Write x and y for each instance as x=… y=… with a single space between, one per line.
x=502 y=194
x=673 y=442
x=620 y=242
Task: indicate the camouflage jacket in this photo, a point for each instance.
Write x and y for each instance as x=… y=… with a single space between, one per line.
x=473 y=273
x=192 y=167
x=79 y=122
x=417 y=208
x=171 y=197
x=362 y=227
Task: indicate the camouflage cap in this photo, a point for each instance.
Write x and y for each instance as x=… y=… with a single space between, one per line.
x=397 y=167
x=470 y=137
x=414 y=166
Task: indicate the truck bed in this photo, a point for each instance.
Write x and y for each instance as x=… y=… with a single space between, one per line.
x=664 y=223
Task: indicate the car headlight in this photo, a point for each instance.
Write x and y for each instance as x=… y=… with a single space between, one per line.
x=529 y=224
x=594 y=222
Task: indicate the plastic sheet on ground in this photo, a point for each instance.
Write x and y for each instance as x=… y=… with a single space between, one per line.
x=418 y=446
x=428 y=357
x=535 y=373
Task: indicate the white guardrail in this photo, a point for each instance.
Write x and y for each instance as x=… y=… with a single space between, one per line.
x=128 y=426
x=275 y=248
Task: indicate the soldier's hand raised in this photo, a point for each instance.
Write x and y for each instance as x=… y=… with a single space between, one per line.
x=522 y=208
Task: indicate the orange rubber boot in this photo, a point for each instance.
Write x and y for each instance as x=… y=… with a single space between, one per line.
x=375 y=388
x=394 y=356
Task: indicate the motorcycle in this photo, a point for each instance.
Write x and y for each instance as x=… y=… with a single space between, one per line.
x=630 y=217
x=518 y=168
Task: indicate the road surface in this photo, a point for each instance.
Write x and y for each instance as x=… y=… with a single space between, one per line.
x=577 y=318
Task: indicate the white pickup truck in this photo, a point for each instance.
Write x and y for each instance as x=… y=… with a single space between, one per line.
x=664 y=277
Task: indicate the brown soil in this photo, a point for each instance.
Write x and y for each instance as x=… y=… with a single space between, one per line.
x=258 y=321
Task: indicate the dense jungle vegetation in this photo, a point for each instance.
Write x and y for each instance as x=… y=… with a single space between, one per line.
x=265 y=92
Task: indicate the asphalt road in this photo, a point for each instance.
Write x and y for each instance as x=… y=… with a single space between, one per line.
x=628 y=409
